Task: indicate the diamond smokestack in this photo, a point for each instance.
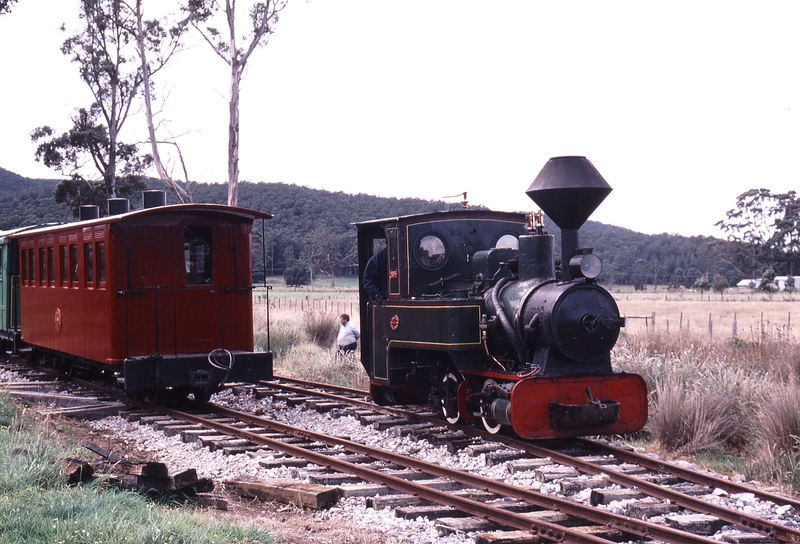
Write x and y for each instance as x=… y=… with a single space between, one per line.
x=568 y=190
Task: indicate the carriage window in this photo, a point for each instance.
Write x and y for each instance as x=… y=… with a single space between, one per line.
x=88 y=252
x=51 y=265
x=507 y=241
x=431 y=252
x=73 y=256
x=24 y=260
x=62 y=254
x=101 y=262
x=197 y=255
x=31 y=266
x=43 y=265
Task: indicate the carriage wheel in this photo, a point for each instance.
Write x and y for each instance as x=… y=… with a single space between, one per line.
x=202 y=394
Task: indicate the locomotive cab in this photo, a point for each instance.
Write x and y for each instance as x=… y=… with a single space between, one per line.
x=473 y=317
x=430 y=316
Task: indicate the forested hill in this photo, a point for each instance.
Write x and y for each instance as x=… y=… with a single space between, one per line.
x=25 y=201
x=305 y=216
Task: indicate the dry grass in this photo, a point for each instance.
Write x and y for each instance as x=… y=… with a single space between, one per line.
x=304 y=344
x=731 y=398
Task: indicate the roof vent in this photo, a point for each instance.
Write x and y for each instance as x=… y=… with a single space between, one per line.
x=118 y=206
x=89 y=212
x=154 y=199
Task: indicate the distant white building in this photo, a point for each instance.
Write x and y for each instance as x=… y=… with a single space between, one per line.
x=778 y=284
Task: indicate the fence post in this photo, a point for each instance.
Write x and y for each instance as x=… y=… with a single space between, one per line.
x=710 y=329
x=680 y=325
x=735 y=327
x=653 y=319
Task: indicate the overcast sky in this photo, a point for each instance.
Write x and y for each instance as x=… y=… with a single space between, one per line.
x=681 y=106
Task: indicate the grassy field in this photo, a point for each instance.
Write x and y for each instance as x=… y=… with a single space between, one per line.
x=37 y=505
x=731 y=402
x=755 y=314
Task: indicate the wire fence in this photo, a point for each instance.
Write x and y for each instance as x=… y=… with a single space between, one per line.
x=751 y=327
x=316 y=304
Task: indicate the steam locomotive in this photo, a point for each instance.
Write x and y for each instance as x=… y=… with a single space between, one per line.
x=158 y=299
x=474 y=315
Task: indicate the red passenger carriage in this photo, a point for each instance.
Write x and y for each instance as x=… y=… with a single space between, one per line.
x=159 y=297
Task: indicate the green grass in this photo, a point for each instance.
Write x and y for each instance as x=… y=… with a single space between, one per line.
x=36 y=505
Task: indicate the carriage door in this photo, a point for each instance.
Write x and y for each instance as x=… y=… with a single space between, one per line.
x=198 y=304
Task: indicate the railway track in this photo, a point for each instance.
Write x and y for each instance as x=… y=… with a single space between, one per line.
x=637 y=474
x=490 y=504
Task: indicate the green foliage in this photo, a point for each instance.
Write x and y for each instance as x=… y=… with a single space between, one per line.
x=5 y=6
x=105 y=52
x=89 y=141
x=766 y=229
x=719 y=284
x=767 y=283
x=297 y=275
x=701 y=284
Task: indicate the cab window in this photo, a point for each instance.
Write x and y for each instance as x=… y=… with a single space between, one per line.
x=431 y=252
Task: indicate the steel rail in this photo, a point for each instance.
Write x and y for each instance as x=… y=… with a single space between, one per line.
x=546 y=530
x=614 y=521
x=772 y=529
x=769 y=528
x=308 y=383
x=685 y=473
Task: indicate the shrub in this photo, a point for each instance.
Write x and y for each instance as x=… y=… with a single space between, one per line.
x=297 y=275
x=692 y=421
x=322 y=328
x=777 y=434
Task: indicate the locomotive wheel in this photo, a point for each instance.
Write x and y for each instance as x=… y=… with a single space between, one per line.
x=449 y=400
x=489 y=423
